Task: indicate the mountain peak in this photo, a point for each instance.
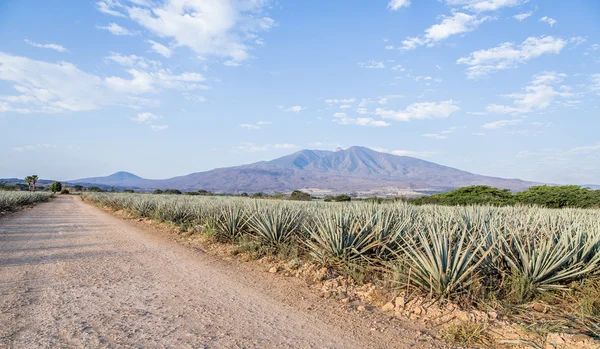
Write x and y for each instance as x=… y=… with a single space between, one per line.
x=124 y=175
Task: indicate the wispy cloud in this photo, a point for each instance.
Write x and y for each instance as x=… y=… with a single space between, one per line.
x=425 y=110
x=31 y=147
x=522 y=16
x=292 y=109
x=250 y=126
x=485 y=5
x=159 y=127
x=502 y=123
x=458 y=23
x=538 y=95
x=343 y=119
x=254 y=148
x=160 y=48
x=395 y=5
x=145 y=118
x=116 y=29
x=508 y=55
x=372 y=64
x=51 y=46
x=549 y=20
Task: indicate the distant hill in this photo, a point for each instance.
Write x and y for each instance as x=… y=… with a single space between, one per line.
x=356 y=169
x=119 y=179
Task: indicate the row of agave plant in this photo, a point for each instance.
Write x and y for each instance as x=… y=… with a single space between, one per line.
x=10 y=200
x=442 y=251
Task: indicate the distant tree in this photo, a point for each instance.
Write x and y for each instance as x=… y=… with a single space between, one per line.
x=204 y=192
x=128 y=191
x=172 y=192
x=95 y=189
x=112 y=189
x=258 y=195
x=157 y=191
x=56 y=187
x=559 y=196
x=191 y=193
x=472 y=195
x=298 y=195
x=65 y=191
x=78 y=188
x=31 y=182
x=244 y=194
x=342 y=198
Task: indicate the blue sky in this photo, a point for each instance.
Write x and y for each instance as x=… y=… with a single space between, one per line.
x=161 y=88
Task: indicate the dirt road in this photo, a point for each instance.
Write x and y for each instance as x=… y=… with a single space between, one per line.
x=72 y=276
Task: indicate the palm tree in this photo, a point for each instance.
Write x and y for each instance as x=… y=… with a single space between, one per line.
x=35 y=180
x=31 y=181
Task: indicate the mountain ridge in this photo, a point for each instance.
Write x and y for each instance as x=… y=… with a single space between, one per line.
x=355 y=169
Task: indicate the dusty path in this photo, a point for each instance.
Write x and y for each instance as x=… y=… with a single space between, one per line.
x=72 y=276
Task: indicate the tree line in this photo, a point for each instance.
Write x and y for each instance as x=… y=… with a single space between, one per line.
x=543 y=196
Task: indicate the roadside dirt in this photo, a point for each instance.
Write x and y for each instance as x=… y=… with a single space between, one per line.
x=73 y=276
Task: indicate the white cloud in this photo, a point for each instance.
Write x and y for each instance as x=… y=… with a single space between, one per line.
x=507 y=55
x=293 y=109
x=160 y=48
x=343 y=119
x=425 y=110
x=522 y=16
x=250 y=126
x=372 y=64
x=159 y=127
x=395 y=5
x=435 y=135
x=133 y=61
x=398 y=68
x=595 y=82
x=502 y=123
x=145 y=118
x=458 y=23
x=222 y=28
x=232 y=63
x=413 y=153
x=540 y=94
x=116 y=29
x=443 y=134
x=264 y=123
x=33 y=147
x=340 y=101
x=61 y=87
x=548 y=20
x=485 y=5
x=253 y=148
x=51 y=46
x=345 y=106
x=107 y=7
x=585 y=149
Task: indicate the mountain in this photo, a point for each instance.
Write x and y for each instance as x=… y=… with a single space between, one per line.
x=356 y=169
x=120 y=179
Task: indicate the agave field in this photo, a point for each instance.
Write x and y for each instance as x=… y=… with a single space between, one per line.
x=10 y=200
x=488 y=255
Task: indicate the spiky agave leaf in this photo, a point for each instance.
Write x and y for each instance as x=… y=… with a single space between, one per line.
x=444 y=258
x=275 y=226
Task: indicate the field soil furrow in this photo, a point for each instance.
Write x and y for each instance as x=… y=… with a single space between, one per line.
x=71 y=275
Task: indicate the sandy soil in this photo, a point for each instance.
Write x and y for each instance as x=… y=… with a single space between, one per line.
x=73 y=276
